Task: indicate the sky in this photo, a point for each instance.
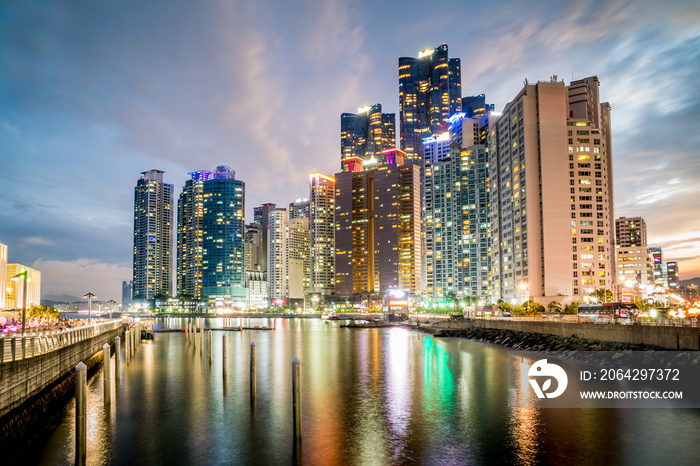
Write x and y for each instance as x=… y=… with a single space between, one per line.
x=92 y=93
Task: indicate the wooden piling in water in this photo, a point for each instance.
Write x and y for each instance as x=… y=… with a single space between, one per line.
x=252 y=373
x=80 y=414
x=296 y=397
x=107 y=374
x=223 y=359
x=210 y=347
x=117 y=358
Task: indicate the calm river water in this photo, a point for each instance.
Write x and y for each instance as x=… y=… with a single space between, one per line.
x=370 y=396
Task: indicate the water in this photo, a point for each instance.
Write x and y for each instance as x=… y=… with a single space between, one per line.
x=371 y=396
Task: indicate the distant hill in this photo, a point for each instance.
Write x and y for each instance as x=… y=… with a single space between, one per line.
x=693 y=281
x=53 y=300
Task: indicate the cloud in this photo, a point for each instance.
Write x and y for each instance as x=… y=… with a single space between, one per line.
x=81 y=276
x=37 y=241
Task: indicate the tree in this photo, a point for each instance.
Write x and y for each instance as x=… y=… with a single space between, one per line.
x=451 y=296
x=532 y=307
x=603 y=296
x=571 y=308
x=554 y=306
x=42 y=313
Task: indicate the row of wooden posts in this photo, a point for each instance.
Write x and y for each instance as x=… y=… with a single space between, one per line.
x=191 y=331
x=132 y=339
x=131 y=343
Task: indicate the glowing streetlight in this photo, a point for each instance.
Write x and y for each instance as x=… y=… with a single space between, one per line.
x=89 y=296
x=23 y=275
x=111 y=303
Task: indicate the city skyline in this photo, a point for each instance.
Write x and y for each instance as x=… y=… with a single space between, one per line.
x=94 y=95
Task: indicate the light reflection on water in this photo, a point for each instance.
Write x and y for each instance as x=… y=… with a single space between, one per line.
x=374 y=396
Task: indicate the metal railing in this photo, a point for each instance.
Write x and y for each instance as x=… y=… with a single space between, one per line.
x=16 y=347
x=573 y=319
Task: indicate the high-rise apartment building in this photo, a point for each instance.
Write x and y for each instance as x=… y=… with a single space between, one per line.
x=475 y=106
x=3 y=274
x=260 y=216
x=551 y=197
x=278 y=221
x=190 y=211
x=634 y=267
x=289 y=259
x=322 y=233
x=14 y=295
x=630 y=232
x=366 y=134
x=299 y=208
x=127 y=294
x=253 y=247
x=298 y=260
x=430 y=91
x=223 y=231
x=672 y=279
x=378 y=229
x=455 y=202
x=153 y=236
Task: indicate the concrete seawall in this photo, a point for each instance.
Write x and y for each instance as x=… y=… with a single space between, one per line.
x=673 y=338
x=33 y=389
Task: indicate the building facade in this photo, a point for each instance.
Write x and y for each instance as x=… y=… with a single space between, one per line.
x=322 y=233
x=223 y=231
x=190 y=211
x=278 y=221
x=3 y=274
x=456 y=229
x=153 y=236
x=630 y=232
x=429 y=93
x=551 y=197
x=299 y=208
x=377 y=244
x=366 y=134
x=127 y=294
x=260 y=216
x=14 y=296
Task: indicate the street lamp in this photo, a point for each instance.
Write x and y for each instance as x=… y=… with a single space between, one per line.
x=111 y=303
x=24 y=276
x=523 y=288
x=89 y=296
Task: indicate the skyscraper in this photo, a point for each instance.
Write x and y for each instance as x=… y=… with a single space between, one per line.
x=378 y=229
x=253 y=247
x=322 y=233
x=223 y=231
x=153 y=236
x=475 y=106
x=455 y=200
x=260 y=216
x=634 y=265
x=127 y=290
x=630 y=232
x=366 y=134
x=430 y=91
x=278 y=221
x=3 y=274
x=551 y=199
x=190 y=211
x=15 y=292
x=299 y=208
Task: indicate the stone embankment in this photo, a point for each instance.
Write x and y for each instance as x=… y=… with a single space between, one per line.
x=543 y=342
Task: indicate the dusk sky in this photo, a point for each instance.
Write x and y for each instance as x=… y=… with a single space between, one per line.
x=92 y=93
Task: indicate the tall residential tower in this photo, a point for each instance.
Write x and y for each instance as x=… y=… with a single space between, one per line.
x=153 y=236
x=430 y=91
x=551 y=198
x=366 y=134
